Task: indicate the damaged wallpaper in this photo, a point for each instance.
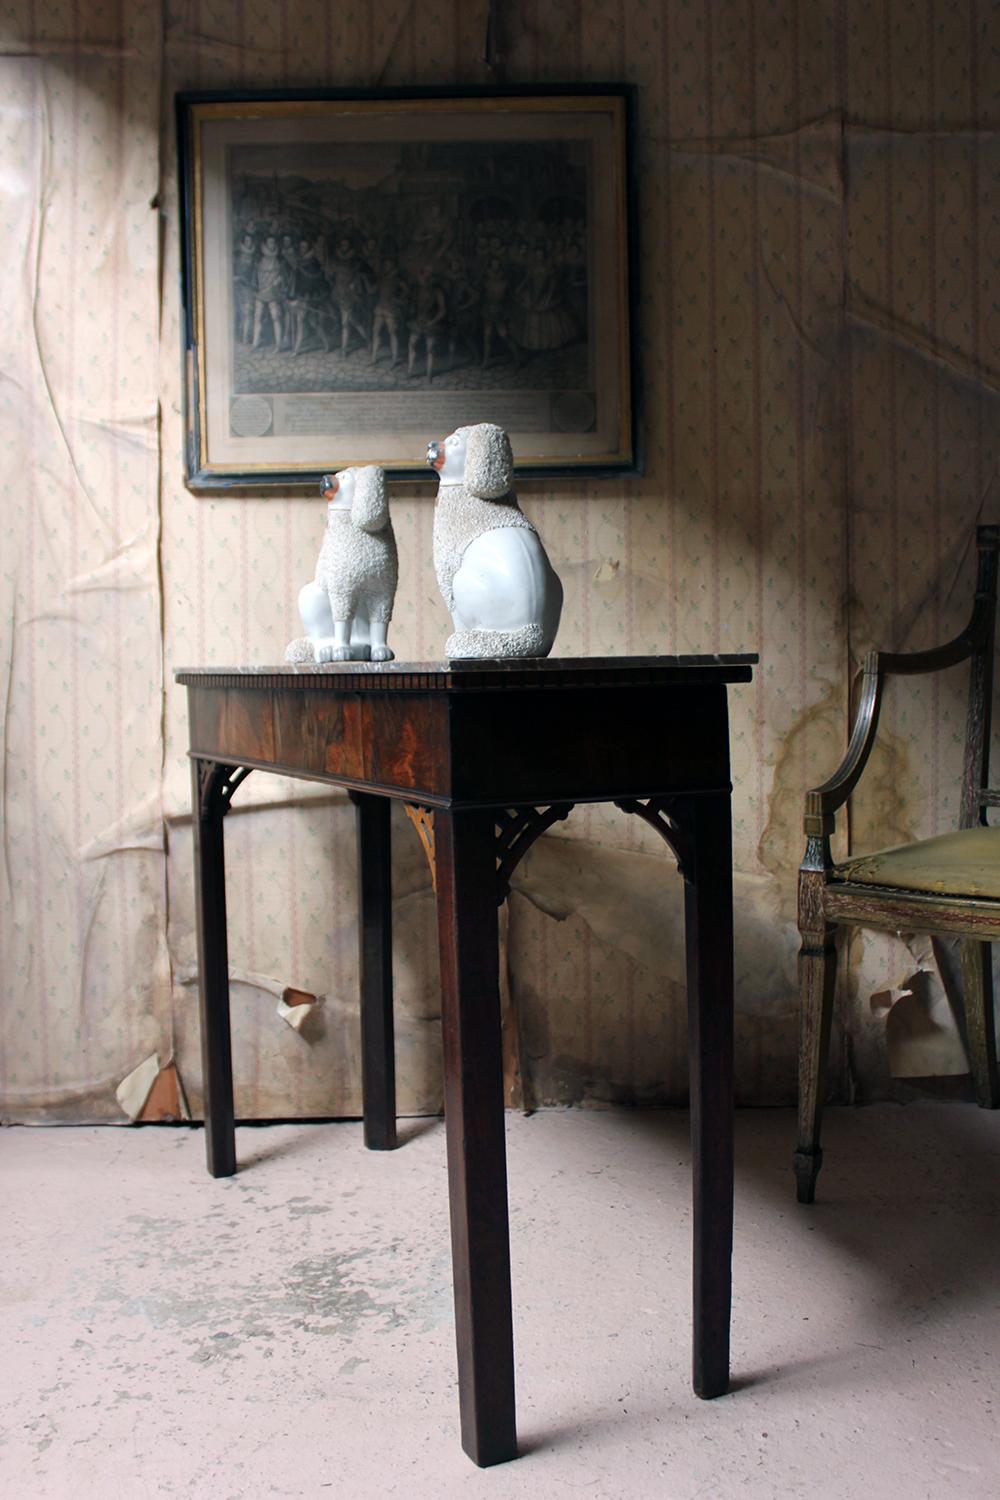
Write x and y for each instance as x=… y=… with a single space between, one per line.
x=818 y=322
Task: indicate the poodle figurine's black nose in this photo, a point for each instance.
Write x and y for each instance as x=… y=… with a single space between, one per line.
x=433 y=454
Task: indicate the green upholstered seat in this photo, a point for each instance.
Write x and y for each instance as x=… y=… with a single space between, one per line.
x=966 y=863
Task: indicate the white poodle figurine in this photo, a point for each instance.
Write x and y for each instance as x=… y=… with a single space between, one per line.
x=346 y=611
x=503 y=594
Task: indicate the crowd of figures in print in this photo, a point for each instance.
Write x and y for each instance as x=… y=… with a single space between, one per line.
x=452 y=266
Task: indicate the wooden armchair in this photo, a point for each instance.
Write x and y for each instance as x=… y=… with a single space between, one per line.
x=945 y=886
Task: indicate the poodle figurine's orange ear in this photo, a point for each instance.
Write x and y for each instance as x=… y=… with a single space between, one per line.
x=370 y=507
x=489 y=462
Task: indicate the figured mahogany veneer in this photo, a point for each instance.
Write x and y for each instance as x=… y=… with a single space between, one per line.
x=486 y=756
x=476 y=733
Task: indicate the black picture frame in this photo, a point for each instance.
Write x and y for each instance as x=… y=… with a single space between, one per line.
x=535 y=270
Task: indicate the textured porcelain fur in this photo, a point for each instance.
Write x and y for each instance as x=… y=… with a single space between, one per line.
x=503 y=594
x=347 y=608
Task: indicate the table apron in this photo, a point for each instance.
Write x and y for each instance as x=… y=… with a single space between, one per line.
x=476 y=750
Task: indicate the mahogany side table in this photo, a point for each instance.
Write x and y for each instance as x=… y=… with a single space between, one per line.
x=488 y=754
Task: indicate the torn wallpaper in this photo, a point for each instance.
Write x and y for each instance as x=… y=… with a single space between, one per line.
x=817 y=189
x=86 y=982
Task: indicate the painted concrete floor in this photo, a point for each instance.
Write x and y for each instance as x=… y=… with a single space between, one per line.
x=288 y=1332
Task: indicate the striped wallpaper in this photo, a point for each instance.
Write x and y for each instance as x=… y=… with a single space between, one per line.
x=819 y=330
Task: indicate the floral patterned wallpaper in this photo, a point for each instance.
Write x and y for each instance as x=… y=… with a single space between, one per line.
x=818 y=210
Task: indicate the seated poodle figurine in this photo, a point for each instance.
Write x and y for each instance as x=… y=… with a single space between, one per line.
x=347 y=610
x=503 y=594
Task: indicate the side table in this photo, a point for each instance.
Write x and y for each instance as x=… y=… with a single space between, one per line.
x=488 y=754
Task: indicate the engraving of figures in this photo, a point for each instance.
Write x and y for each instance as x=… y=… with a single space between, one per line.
x=426 y=319
x=310 y=297
x=409 y=266
x=540 y=319
x=363 y=267
x=244 y=286
x=392 y=295
x=271 y=278
x=433 y=235
x=289 y=254
x=353 y=284
x=463 y=312
x=495 y=325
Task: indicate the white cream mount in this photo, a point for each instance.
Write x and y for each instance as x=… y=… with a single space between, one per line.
x=503 y=594
x=347 y=608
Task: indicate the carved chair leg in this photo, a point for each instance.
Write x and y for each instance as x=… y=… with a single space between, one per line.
x=977 y=988
x=817 y=978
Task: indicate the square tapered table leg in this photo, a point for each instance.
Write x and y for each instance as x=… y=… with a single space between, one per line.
x=378 y=1064
x=474 y=1122
x=709 y=932
x=209 y=810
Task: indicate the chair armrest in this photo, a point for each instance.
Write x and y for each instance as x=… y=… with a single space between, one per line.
x=976 y=635
x=912 y=663
x=823 y=801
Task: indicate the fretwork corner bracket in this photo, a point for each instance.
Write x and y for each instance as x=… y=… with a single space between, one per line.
x=217 y=784
x=422 y=819
x=517 y=828
x=663 y=814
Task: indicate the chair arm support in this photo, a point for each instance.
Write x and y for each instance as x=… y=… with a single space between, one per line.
x=823 y=801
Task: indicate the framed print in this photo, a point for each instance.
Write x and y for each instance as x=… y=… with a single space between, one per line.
x=363 y=272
